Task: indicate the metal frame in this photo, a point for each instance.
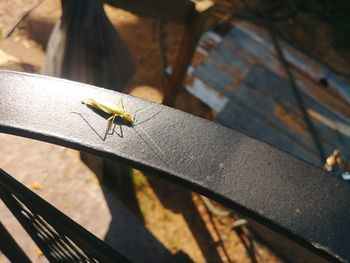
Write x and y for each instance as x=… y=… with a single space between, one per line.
x=59 y=238
x=292 y=197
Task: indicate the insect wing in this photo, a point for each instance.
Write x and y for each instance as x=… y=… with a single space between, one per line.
x=106 y=106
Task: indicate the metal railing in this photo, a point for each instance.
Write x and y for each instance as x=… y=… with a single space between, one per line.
x=290 y=196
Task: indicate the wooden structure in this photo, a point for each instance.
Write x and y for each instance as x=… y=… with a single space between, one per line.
x=240 y=77
x=191 y=14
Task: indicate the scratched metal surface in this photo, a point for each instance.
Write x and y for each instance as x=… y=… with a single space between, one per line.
x=285 y=193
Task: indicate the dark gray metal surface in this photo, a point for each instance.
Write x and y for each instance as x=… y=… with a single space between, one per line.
x=285 y=193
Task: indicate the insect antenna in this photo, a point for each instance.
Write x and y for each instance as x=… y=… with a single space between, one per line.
x=149 y=137
x=162 y=157
x=140 y=110
x=121 y=101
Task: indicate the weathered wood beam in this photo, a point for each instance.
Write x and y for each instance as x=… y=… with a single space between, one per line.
x=189 y=42
x=167 y=10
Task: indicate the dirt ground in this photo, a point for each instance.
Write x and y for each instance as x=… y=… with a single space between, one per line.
x=176 y=217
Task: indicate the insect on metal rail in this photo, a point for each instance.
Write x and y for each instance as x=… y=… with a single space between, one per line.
x=115 y=112
x=292 y=197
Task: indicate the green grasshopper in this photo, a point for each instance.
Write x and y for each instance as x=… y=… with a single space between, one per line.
x=116 y=111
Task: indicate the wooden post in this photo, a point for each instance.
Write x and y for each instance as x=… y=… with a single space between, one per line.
x=196 y=22
x=166 y=10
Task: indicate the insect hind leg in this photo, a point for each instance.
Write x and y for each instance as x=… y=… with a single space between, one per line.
x=110 y=122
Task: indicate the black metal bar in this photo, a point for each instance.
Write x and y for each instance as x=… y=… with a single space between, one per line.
x=15 y=208
x=65 y=227
x=10 y=248
x=299 y=200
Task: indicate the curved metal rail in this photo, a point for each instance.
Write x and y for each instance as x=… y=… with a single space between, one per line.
x=281 y=191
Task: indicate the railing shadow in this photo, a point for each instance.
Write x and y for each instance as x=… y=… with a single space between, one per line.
x=179 y=200
x=127 y=232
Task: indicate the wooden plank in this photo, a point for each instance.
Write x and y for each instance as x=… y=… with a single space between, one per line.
x=259 y=47
x=275 y=115
x=225 y=67
x=206 y=94
x=294 y=139
x=264 y=107
x=304 y=63
x=267 y=95
x=168 y=10
x=305 y=69
x=188 y=46
x=271 y=87
x=214 y=77
x=254 y=47
x=289 y=122
x=238 y=117
x=257 y=52
x=314 y=90
x=231 y=57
